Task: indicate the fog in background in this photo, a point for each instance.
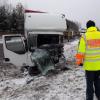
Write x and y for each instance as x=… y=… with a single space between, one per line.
x=75 y=10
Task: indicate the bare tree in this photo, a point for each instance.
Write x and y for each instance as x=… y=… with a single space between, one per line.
x=3 y=18
x=71 y=25
x=72 y=29
x=11 y=19
x=5 y=15
x=18 y=18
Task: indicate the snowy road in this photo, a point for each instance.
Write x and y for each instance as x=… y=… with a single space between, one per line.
x=65 y=85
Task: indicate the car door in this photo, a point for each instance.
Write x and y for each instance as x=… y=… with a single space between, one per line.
x=14 y=50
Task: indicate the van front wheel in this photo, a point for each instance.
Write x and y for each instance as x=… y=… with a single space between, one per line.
x=33 y=70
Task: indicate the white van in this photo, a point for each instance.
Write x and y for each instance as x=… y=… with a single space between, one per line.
x=42 y=31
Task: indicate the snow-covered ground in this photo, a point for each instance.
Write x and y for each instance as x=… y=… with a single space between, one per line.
x=65 y=85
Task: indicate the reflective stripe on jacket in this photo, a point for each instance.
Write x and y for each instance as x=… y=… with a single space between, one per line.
x=90 y=47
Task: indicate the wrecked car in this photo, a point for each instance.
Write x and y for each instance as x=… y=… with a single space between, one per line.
x=40 y=47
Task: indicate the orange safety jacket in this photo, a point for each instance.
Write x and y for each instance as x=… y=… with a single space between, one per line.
x=89 y=50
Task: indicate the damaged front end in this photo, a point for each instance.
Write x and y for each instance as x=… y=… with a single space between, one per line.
x=46 y=50
x=42 y=60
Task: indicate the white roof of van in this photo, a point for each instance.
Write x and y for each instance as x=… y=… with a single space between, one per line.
x=44 y=22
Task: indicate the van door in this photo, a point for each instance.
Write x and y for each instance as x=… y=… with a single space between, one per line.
x=14 y=50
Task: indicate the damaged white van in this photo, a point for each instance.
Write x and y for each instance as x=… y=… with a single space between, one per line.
x=41 y=46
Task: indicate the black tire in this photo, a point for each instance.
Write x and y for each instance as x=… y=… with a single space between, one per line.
x=33 y=71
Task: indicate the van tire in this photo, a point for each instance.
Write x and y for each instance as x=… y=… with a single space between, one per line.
x=33 y=70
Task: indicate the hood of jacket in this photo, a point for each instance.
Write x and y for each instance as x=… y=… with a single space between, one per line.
x=91 y=29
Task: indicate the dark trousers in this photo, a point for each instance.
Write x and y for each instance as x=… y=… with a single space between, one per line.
x=93 y=84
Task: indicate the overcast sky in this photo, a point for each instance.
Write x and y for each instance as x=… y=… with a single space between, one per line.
x=76 y=10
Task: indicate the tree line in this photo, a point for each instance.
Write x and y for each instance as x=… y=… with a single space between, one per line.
x=73 y=26
x=12 y=18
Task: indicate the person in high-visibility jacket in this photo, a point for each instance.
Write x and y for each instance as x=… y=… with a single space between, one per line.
x=89 y=56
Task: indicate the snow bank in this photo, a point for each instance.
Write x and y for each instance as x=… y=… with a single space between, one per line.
x=70 y=49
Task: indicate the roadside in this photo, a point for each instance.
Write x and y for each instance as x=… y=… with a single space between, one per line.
x=64 y=85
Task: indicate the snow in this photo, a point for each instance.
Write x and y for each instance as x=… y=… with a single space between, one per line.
x=70 y=49
x=65 y=85
x=75 y=42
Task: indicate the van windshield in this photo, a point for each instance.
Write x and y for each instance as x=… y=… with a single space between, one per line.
x=38 y=40
x=47 y=39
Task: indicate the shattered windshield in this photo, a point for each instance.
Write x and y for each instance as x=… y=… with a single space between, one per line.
x=43 y=61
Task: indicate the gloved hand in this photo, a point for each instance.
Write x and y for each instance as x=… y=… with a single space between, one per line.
x=79 y=59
